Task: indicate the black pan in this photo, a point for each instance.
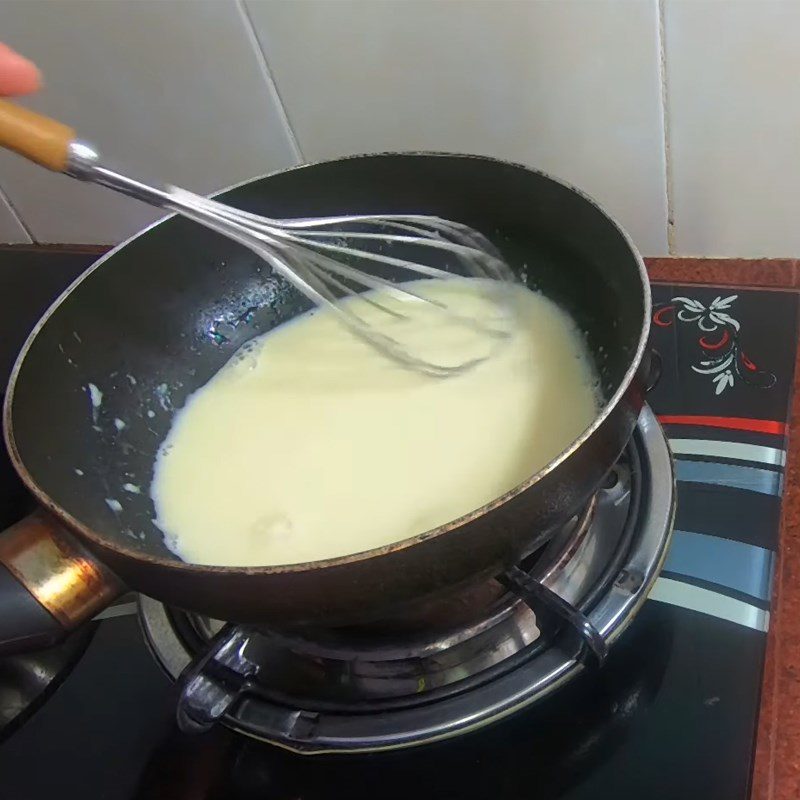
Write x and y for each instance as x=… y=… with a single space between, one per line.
x=155 y=318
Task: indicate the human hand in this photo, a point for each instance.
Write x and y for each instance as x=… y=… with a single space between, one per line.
x=17 y=74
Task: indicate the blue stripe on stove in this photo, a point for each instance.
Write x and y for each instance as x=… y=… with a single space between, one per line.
x=743 y=567
x=752 y=479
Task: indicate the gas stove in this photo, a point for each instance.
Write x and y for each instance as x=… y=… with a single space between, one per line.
x=455 y=666
x=617 y=662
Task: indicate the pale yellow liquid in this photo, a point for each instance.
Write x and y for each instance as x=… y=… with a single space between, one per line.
x=309 y=444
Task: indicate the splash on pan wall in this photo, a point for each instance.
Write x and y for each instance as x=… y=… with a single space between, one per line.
x=679 y=116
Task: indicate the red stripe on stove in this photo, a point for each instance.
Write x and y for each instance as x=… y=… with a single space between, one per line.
x=733 y=423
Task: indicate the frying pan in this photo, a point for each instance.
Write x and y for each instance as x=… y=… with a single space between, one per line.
x=97 y=383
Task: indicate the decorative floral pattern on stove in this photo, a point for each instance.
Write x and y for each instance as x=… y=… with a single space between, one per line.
x=721 y=355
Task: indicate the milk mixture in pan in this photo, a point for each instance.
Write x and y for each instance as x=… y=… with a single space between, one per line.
x=309 y=444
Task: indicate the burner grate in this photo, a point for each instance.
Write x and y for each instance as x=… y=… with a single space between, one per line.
x=350 y=689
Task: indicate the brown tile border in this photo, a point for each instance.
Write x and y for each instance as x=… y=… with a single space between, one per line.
x=89 y=249
x=776 y=767
x=776 y=773
x=776 y=273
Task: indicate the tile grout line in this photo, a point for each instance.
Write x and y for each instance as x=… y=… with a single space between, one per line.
x=662 y=55
x=272 y=86
x=4 y=198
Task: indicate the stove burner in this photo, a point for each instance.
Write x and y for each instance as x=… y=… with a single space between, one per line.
x=452 y=667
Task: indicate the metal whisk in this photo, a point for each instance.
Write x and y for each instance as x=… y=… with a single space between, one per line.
x=319 y=256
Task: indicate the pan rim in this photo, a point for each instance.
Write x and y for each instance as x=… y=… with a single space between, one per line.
x=104 y=543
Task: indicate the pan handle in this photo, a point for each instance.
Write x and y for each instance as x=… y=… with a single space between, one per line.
x=49 y=584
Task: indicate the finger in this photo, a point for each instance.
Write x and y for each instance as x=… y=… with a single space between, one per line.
x=17 y=74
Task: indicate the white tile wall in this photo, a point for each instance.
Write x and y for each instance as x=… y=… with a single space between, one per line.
x=571 y=87
x=733 y=101
x=182 y=90
x=169 y=90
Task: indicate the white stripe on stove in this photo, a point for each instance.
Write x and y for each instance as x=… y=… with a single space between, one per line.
x=714 y=604
x=735 y=450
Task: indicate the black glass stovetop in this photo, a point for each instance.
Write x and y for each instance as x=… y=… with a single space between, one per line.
x=672 y=714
